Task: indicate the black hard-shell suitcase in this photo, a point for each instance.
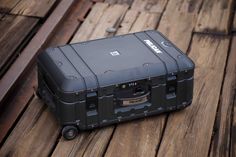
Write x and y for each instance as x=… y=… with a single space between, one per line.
x=105 y=81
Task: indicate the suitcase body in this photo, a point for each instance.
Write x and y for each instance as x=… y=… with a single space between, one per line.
x=105 y=81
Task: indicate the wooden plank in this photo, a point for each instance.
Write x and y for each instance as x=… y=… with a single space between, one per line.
x=110 y=19
x=215 y=16
x=93 y=144
x=86 y=29
x=13 y=30
x=220 y=145
x=19 y=101
x=68 y=26
x=188 y=132
x=10 y=112
x=156 y=6
x=24 y=61
x=30 y=137
x=145 y=21
x=33 y=7
x=128 y=21
x=137 y=138
x=129 y=2
x=7 y=5
x=61 y=36
x=233 y=127
x=179 y=20
x=234 y=22
x=233 y=136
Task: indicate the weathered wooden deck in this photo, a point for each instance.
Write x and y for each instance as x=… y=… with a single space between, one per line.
x=204 y=29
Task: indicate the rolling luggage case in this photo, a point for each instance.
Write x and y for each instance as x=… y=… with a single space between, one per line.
x=105 y=81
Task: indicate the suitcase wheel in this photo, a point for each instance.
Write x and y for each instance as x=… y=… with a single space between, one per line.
x=69 y=132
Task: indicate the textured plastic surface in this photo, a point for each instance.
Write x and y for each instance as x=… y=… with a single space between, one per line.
x=82 y=82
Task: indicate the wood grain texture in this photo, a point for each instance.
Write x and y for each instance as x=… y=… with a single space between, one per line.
x=110 y=19
x=10 y=112
x=221 y=137
x=145 y=21
x=233 y=127
x=33 y=7
x=178 y=21
x=24 y=61
x=68 y=27
x=86 y=29
x=128 y=21
x=234 y=22
x=13 y=31
x=156 y=6
x=188 y=132
x=7 y=5
x=215 y=16
x=137 y=138
x=30 y=137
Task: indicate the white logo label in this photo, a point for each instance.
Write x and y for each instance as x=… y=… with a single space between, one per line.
x=150 y=44
x=115 y=53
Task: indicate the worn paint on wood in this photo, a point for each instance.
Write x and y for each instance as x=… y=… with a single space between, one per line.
x=156 y=6
x=37 y=8
x=128 y=21
x=69 y=25
x=110 y=19
x=13 y=31
x=145 y=21
x=179 y=20
x=191 y=129
x=86 y=29
x=221 y=136
x=215 y=16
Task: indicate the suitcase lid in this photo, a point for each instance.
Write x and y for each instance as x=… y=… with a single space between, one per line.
x=110 y=61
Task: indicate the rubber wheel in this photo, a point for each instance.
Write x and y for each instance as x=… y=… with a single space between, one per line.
x=69 y=132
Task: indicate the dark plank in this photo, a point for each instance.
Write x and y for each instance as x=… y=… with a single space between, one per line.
x=13 y=31
x=33 y=7
x=188 y=132
x=221 y=137
x=215 y=16
x=16 y=104
x=30 y=137
x=7 y=5
x=27 y=56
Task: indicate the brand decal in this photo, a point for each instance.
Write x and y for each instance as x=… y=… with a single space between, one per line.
x=154 y=47
x=115 y=53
